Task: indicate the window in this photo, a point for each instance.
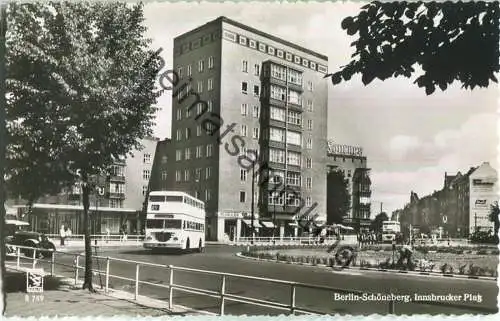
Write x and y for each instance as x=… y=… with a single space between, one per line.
x=199 y=151
x=243 y=175
x=189 y=71
x=179 y=72
x=262 y=47
x=201 y=65
x=164 y=159
x=308 y=163
x=187 y=153
x=209 y=150
x=270 y=50
x=278 y=92
x=309 y=182
x=280 y=53
x=164 y=175
x=208 y=172
x=309 y=105
x=244 y=66
x=277 y=135
x=256 y=70
x=244 y=87
x=178 y=155
x=293 y=158
x=293 y=138
x=198 y=130
x=255 y=133
x=188 y=133
x=310 y=86
x=293 y=178
x=275 y=198
x=179 y=114
x=210 y=84
x=309 y=144
x=208 y=195
x=243 y=109
x=297 y=60
x=146 y=173
x=256 y=90
x=308 y=201
x=243 y=130
x=288 y=56
x=177 y=176
x=243 y=40
x=295 y=77
x=210 y=106
x=305 y=62
x=277 y=155
x=186 y=175
x=252 y=43
x=278 y=72
x=349 y=173
x=197 y=174
x=277 y=114
x=294 y=97
x=294 y=118
x=210 y=62
x=255 y=111
x=200 y=86
x=188 y=112
x=309 y=124
x=146 y=158
x=178 y=134
x=144 y=189
x=313 y=65
x=242 y=196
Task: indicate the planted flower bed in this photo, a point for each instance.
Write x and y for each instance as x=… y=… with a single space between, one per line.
x=476 y=262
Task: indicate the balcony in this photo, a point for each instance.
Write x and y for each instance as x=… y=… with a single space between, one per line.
x=117 y=178
x=116 y=195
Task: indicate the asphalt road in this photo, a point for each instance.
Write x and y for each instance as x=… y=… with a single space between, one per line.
x=222 y=258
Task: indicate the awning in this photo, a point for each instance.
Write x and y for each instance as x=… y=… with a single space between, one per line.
x=292 y=224
x=249 y=223
x=267 y=224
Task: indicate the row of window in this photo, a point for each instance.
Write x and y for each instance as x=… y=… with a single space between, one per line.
x=198 y=152
x=199 y=110
x=278 y=199
x=293 y=158
x=188 y=225
x=255 y=110
x=343 y=159
x=277 y=177
x=292 y=117
x=197 y=174
x=200 y=65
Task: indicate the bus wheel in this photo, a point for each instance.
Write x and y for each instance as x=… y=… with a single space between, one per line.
x=200 y=247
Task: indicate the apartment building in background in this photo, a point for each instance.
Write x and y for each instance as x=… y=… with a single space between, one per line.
x=353 y=164
x=259 y=95
x=116 y=203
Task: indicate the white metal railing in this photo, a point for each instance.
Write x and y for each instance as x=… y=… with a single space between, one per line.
x=101 y=237
x=291 y=306
x=284 y=240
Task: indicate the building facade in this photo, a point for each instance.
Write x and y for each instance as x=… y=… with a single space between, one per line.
x=116 y=203
x=244 y=95
x=459 y=209
x=353 y=164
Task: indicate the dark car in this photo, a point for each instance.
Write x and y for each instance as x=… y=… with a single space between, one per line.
x=14 y=236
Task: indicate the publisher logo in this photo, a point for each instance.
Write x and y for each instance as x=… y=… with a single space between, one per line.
x=34 y=282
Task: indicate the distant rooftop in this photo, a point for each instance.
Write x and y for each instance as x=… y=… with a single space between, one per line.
x=221 y=19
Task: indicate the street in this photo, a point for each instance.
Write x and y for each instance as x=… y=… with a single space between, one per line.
x=222 y=258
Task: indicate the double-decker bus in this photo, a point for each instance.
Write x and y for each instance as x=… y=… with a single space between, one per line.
x=389 y=230
x=174 y=220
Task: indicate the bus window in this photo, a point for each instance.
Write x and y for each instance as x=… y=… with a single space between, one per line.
x=157 y=198
x=154 y=224
x=177 y=224
x=171 y=198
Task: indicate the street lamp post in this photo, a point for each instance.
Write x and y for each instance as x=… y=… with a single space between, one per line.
x=253 y=211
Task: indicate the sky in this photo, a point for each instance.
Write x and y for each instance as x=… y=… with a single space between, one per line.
x=410 y=139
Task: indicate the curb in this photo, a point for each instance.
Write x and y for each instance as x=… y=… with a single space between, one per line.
x=433 y=274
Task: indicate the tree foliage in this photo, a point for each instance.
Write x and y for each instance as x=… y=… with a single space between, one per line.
x=493 y=216
x=378 y=221
x=450 y=41
x=81 y=90
x=338 y=199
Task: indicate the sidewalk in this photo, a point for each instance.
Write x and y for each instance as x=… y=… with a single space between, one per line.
x=62 y=298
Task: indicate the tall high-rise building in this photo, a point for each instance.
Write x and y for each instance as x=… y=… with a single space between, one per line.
x=242 y=94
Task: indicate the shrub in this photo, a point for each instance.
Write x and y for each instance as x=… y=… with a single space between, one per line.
x=461 y=269
x=482 y=252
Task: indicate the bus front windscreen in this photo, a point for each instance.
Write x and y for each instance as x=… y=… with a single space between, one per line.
x=176 y=224
x=154 y=224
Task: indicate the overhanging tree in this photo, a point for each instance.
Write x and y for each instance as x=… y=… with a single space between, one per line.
x=378 y=221
x=450 y=41
x=338 y=199
x=81 y=83
x=493 y=217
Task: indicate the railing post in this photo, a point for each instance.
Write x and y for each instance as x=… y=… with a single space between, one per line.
x=77 y=268
x=392 y=308
x=171 y=288
x=107 y=275
x=34 y=258
x=222 y=294
x=18 y=252
x=52 y=263
x=292 y=299
x=136 y=281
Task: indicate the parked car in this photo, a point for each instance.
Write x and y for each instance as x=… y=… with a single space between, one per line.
x=15 y=235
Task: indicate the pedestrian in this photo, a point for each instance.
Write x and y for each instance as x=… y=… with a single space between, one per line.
x=68 y=235
x=62 y=234
x=108 y=232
